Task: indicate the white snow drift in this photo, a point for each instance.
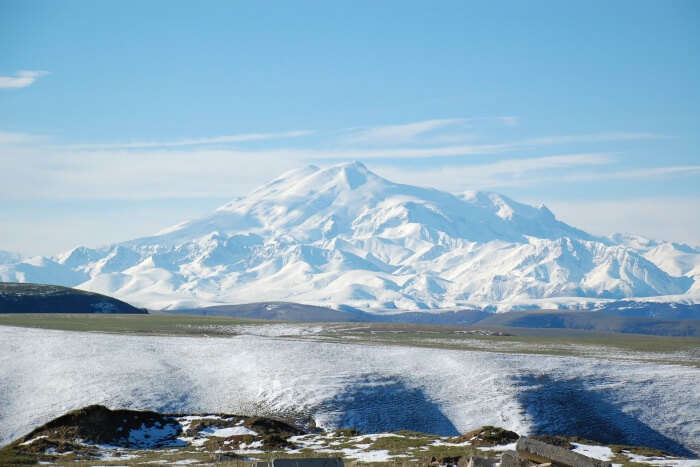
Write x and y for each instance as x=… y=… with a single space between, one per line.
x=344 y=235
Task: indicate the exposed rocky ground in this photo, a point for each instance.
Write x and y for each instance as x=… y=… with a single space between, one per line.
x=96 y=435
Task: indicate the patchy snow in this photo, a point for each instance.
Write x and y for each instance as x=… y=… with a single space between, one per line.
x=52 y=451
x=226 y=432
x=112 y=456
x=440 y=442
x=26 y=443
x=269 y=330
x=376 y=436
x=598 y=452
x=665 y=462
x=151 y=436
x=500 y=447
x=359 y=455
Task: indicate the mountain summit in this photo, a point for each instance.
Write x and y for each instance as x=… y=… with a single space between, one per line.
x=343 y=235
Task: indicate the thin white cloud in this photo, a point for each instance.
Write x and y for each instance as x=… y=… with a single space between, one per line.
x=478 y=149
x=657 y=171
x=401 y=133
x=592 y=138
x=414 y=153
x=528 y=172
x=509 y=120
x=518 y=166
x=188 y=168
x=644 y=172
x=22 y=79
x=502 y=173
x=197 y=141
x=33 y=173
x=411 y=132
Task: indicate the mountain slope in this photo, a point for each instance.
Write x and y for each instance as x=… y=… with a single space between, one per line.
x=346 y=236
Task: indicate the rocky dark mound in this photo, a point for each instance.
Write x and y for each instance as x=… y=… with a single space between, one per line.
x=96 y=435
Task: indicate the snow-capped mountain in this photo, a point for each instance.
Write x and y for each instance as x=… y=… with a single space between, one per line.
x=9 y=257
x=677 y=259
x=346 y=236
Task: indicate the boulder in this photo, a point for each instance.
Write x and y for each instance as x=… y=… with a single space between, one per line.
x=512 y=459
x=543 y=453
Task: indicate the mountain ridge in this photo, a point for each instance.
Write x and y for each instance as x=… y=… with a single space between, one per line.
x=343 y=235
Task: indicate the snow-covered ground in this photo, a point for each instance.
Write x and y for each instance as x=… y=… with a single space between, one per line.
x=44 y=373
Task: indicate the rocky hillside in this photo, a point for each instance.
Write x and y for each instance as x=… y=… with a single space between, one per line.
x=97 y=435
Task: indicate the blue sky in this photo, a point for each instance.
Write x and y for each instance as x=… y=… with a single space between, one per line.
x=120 y=118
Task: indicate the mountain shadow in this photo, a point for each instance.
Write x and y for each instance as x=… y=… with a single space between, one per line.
x=566 y=407
x=377 y=404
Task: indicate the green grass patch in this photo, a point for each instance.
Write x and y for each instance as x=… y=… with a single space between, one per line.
x=398 y=444
x=170 y=325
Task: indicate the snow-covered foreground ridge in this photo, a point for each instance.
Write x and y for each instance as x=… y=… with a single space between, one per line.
x=346 y=236
x=374 y=388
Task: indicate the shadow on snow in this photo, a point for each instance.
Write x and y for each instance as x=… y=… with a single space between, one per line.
x=567 y=407
x=378 y=404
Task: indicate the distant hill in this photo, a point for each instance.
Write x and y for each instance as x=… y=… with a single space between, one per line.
x=280 y=311
x=594 y=321
x=38 y=298
x=662 y=310
x=288 y=311
x=615 y=320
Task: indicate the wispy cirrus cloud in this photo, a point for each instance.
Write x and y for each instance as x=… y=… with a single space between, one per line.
x=402 y=133
x=411 y=152
x=593 y=138
x=22 y=79
x=643 y=172
x=522 y=172
x=240 y=138
x=33 y=173
x=411 y=132
x=506 y=172
x=205 y=167
x=509 y=120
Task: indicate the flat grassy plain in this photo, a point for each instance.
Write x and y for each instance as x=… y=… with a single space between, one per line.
x=563 y=342
x=156 y=325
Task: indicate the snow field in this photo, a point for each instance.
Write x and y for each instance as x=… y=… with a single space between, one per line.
x=44 y=373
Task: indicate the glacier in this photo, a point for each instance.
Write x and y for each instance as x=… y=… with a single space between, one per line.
x=344 y=236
